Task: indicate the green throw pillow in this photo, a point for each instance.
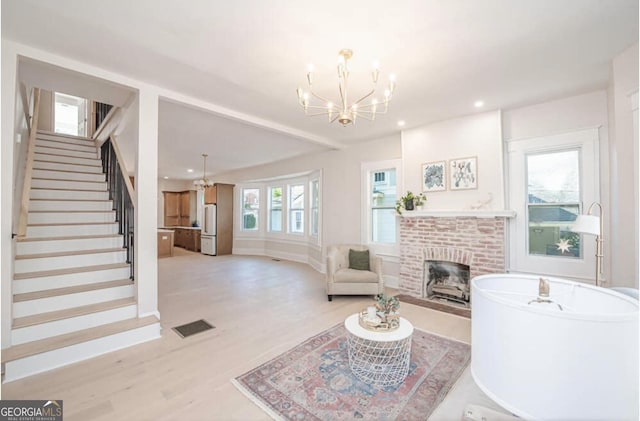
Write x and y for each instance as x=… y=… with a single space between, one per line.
x=359 y=260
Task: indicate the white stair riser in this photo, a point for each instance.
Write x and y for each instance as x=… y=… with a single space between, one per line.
x=66 y=262
x=39 y=363
x=67 y=185
x=72 y=324
x=66 y=145
x=64 y=152
x=68 y=194
x=38 y=165
x=62 y=175
x=71 y=230
x=22 y=286
x=64 y=138
x=69 y=205
x=62 y=302
x=95 y=162
x=70 y=217
x=76 y=244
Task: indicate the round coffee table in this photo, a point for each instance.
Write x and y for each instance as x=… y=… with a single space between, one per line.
x=379 y=358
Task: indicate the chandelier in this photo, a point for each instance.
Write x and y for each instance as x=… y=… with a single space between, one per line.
x=204 y=181
x=344 y=111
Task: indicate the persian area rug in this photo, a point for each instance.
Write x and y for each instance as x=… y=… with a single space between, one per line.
x=313 y=381
x=434 y=305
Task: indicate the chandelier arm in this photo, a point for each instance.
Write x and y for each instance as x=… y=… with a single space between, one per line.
x=318 y=96
x=323 y=113
x=335 y=118
x=364 y=97
x=320 y=107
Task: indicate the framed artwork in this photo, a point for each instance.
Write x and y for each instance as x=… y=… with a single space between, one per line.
x=464 y=173
x=434 y=176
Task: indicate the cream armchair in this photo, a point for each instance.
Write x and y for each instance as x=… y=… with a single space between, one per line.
x=344 y=281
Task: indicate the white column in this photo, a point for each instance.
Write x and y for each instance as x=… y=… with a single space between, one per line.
x=147 y=209
x=8 y=94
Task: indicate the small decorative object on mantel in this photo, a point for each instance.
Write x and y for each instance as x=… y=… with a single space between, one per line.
x=384 y=317
x=410 y=202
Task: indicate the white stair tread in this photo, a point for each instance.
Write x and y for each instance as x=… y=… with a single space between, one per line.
x=68 y=339
x=67 y=253
x=68 y=179
x=37 y=319
x=75 y=237
x=59 y=189
x=71 y=223
x=66 y=271
x=98 y=162
x=62 y=135
x=17 y=298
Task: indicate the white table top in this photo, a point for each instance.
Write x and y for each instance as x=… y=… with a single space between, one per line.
x=404 y=331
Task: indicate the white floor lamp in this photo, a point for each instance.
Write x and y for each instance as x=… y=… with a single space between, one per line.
x=594 y=225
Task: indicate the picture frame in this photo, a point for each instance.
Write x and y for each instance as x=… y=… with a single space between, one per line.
x=434 y=176
x=463 y=173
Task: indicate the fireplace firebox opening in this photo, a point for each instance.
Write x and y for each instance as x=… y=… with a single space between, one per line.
x=446 y=280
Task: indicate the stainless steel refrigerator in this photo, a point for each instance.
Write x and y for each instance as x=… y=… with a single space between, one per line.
x=208 y=235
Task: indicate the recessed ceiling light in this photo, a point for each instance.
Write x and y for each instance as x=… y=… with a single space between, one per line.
x=401 y=123
x=165 y=177
x=190 y=170
x=478 y=104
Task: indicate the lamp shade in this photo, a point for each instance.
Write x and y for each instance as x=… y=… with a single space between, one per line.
x=587 y=224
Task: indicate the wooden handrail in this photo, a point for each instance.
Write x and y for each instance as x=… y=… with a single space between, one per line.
x=127 y=181
x=104 y=123
x=26 y=186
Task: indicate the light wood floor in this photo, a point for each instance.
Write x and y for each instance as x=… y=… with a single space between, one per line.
x=260 y=308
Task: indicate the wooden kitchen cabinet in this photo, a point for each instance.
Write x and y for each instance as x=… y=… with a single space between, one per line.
x=177 y=209
x=210 y=195
x=187 y=238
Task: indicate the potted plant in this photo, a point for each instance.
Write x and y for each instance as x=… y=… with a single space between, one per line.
x=409 y=201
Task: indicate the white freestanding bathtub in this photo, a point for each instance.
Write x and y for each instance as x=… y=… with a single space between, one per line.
x=545 y=363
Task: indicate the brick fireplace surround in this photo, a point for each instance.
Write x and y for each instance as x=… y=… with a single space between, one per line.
x=477 y=237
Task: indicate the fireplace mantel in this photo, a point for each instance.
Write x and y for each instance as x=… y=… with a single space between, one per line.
x=464 y=213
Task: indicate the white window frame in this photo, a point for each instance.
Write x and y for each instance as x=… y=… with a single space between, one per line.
x=587 y=142
x=242 y=209
x=314 y=235
x=367 y=171
x=282 y=207
x=290 y=209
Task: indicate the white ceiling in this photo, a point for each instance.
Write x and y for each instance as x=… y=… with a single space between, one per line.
x=250 y=55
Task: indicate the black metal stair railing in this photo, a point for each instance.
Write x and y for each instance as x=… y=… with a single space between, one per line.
x=122 y=203
x=101 y=113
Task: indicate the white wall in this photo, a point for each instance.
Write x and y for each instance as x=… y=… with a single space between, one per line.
x=624 y=171
x=476 y=135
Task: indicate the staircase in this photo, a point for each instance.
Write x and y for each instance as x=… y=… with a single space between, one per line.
x=73 y=296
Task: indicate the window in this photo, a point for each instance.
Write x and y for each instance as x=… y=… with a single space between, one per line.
x=553 y=203
x=315 y=200
x=550 y=180
x=275 y=209
x=382 y=202
x=250 y=208
x=70 y=115
x=296 y=208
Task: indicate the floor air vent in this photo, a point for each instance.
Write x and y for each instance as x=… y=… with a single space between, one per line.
x=193 y=328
